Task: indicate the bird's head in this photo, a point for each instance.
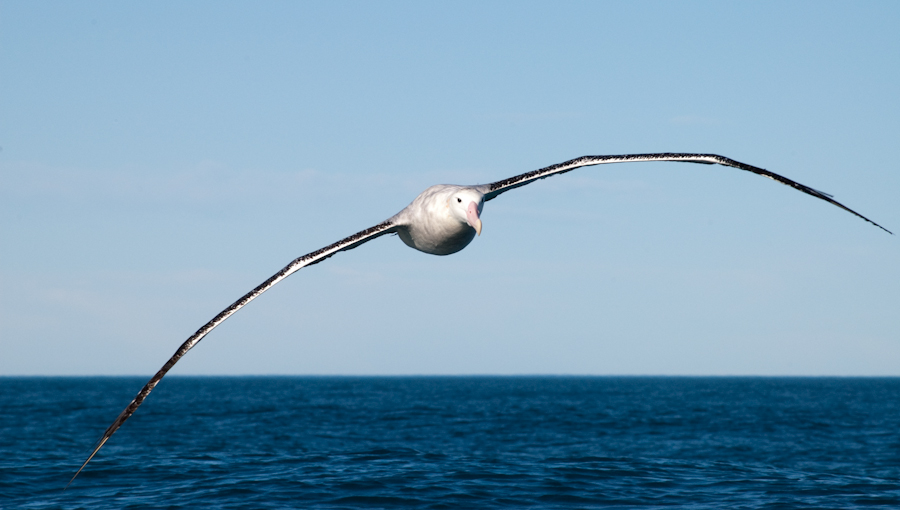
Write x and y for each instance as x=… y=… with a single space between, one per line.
x=465 y=205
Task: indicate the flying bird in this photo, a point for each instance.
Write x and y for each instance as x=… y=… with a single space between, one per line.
x=442 y=220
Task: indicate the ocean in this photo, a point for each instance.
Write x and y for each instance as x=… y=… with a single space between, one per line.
x=453 y=442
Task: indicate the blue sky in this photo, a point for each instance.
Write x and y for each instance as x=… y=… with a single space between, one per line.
x=160 y=160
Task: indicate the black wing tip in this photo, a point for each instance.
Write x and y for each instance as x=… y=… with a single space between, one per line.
x=879 y=226
x=872 y=222
x=863 y=217
x=93 y=453
x=722 y=160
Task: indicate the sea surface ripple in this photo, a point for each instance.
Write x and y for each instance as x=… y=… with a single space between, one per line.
x=454 y=442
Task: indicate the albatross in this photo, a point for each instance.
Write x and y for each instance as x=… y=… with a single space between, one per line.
x=442 y=220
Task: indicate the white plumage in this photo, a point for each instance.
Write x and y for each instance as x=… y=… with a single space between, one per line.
x=438 y=221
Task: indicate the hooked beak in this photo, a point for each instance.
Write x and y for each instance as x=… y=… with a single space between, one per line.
x=472 y=217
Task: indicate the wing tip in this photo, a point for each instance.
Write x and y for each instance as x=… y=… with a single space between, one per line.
x=882 y=228
x=93 y=453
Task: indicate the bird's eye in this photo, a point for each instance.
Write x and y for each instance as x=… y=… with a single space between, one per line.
x=459 y=200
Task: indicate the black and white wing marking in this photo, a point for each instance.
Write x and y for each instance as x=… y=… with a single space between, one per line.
x=306 y=260
x=496 y=188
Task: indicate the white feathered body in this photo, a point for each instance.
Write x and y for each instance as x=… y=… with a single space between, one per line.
x=435 y=222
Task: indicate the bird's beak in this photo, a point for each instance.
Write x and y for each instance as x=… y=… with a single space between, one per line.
x=472 y=217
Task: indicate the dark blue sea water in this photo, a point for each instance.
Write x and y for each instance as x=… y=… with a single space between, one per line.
x=454 y=442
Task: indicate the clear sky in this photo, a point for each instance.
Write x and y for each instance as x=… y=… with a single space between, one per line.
x=161 y=159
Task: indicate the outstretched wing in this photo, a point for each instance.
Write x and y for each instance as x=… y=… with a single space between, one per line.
x=307 y=260
x=496 y=188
